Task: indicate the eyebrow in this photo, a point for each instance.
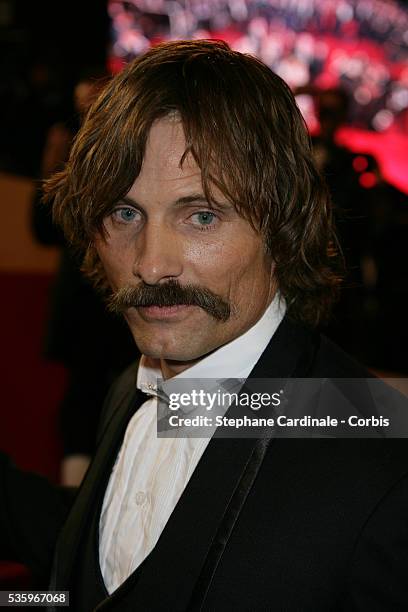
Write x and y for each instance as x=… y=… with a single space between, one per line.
x=194 y=198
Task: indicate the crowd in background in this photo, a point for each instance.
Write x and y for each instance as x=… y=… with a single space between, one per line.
x=359 y=46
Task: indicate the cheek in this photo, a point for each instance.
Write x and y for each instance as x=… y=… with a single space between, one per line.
x=207 y=264
x=204 y=253
x=227 y=267
x=250 y=273
x=113 y=261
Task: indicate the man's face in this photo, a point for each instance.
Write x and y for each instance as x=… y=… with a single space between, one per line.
x=165 y=231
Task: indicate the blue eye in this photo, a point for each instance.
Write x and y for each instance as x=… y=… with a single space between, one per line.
x=125 y=214
x=205 y=217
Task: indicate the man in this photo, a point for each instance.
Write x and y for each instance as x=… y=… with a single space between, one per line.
x=192 y=191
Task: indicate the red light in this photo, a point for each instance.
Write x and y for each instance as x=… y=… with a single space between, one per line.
x=360 y=163
x=368 y=180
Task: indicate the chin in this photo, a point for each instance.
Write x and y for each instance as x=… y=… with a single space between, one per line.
x=162 y=350
x=168 y=351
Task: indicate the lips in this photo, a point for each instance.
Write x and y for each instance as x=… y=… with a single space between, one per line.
x=164 y=312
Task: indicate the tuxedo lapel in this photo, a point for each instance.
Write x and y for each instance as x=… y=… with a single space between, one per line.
x=290 y=352
x=173 y=568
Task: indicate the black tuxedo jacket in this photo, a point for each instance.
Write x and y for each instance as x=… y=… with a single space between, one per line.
x=264 y=524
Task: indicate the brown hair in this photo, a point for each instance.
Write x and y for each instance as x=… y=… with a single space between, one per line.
x=247 y=135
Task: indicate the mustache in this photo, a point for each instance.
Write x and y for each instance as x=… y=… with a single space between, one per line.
x=169 y=294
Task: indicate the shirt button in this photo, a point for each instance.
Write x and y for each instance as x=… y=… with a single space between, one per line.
x=140 y=498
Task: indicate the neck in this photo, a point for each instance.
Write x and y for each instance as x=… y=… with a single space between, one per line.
x=171 y=368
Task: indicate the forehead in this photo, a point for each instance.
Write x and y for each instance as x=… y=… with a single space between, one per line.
x=162 y=179
x=164 y=149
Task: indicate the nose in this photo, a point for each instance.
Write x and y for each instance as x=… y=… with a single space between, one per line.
x=158 y=254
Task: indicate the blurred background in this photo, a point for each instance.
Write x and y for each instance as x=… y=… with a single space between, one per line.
x=346 y=61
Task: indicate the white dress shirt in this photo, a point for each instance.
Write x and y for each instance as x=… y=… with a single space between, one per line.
x=151 y=473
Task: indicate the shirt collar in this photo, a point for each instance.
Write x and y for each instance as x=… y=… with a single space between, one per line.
x=235 y=359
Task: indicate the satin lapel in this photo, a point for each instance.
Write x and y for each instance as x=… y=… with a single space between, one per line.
x=178 y=571
x=96 y=477
x=290 y=352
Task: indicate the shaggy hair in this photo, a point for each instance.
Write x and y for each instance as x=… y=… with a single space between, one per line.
x=247 y=135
